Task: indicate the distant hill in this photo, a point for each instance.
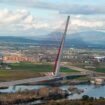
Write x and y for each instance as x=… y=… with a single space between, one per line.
x=86 y=39
x=94 y=37
x=14 y=39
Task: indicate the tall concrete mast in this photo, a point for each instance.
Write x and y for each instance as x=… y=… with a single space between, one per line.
x=60 y=50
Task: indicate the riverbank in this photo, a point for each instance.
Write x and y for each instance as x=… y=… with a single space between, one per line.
x=34 y=94
x=85 y=100
x=43 y=94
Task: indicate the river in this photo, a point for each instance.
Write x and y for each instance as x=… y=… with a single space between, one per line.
x=90 y=90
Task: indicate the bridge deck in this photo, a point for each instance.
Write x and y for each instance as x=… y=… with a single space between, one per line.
x=23 y=81
x=34 y=80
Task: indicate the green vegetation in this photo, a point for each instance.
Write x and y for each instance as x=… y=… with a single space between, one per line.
x=28 y=70
x=7 y=75
x=67 y=70
x=82 y=78
x=100 y=70
x=38 y=67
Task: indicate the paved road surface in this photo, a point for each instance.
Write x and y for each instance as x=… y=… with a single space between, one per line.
x=35 y=80
x=84 y=71
x=23 y=81
x=39 y=79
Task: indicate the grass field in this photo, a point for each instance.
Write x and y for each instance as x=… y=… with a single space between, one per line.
x=16 y=75
x=38 y=67
x=28 y=70
x=100 y=70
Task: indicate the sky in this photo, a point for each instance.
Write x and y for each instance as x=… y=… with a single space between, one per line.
x=41 y=17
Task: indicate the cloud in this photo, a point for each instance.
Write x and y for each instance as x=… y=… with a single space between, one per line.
x=7 y=16
x=22 y=22
x=84 y=9
x=87 y=22
x=64 y=8
x=19 y=21
x=81 y=23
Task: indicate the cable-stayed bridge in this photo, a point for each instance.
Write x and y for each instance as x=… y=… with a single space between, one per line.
x=54 y=74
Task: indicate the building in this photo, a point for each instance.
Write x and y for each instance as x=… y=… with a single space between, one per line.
x=16 y=58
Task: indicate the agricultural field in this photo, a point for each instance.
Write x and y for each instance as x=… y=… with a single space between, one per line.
x=38 y=67
x=28 y=70
x=8 y=75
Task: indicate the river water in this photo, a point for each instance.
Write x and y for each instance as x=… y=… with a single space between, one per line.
x=90 y=90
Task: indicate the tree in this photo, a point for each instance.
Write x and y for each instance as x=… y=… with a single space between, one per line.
x=85 y=98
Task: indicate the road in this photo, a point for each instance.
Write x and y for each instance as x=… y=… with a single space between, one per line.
x=83 y=71
x=46 y=78
x=23 y=81
x=35 y=80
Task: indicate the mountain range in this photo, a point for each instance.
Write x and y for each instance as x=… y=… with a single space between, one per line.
x=85 y=39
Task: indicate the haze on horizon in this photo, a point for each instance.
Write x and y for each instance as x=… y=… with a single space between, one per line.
x=41 y=17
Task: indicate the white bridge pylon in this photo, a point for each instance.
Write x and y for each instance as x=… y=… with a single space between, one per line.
x=60 y=50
